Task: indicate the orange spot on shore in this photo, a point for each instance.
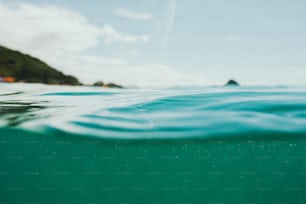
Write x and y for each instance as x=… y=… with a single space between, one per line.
x=8 y=79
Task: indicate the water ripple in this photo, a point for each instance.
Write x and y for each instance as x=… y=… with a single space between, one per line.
x=158 y=114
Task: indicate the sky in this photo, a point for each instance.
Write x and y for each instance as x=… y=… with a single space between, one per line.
x=163 y=43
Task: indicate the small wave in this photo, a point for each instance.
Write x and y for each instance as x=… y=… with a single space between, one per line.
x=161 y=114
x=78 y=94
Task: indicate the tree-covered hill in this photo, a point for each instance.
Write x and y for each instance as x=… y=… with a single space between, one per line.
x=24 y=68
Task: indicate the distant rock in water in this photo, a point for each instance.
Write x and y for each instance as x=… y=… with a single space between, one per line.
x=232 y=83
x=109 y=85
x=112 y=85
x=19 y=67
x=98 y=83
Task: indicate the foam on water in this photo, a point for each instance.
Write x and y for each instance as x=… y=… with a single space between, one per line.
x=180 y=113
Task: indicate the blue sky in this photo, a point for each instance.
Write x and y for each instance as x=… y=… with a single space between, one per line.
x=163 y=42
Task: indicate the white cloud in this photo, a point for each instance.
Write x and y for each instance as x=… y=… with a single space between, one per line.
x=61 y=38
x=157 y=75
x=143 y=75
x=91 y=68
x=132 y=15
x=232 y=39
x=46 y=28
x=111 y=35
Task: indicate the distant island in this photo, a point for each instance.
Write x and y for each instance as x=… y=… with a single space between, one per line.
x=107 y=85
x=232 y=82
x=19 y=67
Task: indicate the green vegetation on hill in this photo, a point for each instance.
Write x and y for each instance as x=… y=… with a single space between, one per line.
x=107 y=85
x=24 y=68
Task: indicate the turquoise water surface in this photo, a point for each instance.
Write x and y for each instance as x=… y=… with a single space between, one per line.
x=180 y=145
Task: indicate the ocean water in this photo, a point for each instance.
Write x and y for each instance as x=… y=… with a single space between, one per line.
x=182 y=145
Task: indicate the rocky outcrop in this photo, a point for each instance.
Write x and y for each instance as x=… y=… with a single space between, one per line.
x=232 y=82
x=107 y=85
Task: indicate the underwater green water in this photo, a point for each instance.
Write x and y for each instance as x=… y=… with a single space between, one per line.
x=191 y=145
